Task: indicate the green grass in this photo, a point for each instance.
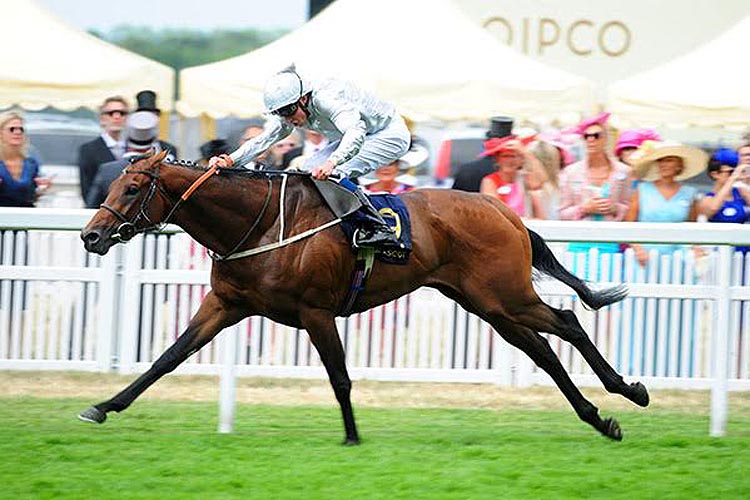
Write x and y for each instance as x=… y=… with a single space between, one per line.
x=172 y=450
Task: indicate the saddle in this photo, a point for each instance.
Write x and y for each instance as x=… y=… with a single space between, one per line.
x=346 y=205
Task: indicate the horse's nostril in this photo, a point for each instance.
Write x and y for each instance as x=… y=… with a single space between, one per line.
x=91 y=237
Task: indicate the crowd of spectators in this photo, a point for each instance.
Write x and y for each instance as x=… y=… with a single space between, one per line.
x=586 y=172
x=630 y=175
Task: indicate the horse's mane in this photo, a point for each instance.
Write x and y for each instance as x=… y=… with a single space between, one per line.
x=238 y=172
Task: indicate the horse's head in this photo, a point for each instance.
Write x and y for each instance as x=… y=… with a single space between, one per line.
x=132 y=205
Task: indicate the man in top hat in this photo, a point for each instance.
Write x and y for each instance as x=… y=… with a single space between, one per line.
x=147 y=102
x=142 y=136
x=470 y=175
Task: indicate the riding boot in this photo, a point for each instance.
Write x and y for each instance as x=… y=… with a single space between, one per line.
x=376 y=232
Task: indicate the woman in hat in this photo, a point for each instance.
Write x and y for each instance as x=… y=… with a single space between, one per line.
x=510 y=183
x=661 y=196
x=597 y=188
x=394 y=178
x=630 y=140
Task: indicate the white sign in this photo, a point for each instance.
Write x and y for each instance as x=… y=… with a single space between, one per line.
x=606 y=40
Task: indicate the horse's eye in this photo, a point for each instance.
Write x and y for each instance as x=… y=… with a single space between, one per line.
x=131 y=190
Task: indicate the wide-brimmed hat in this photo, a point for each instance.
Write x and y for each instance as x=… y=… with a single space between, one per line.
x=694 y=160
x=499 y=144
x=142 y=130
x=633 y=138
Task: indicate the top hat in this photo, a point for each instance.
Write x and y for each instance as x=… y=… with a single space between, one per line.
x=142 y=130
x=214 y=147
x=147 y=101
x=500 y=126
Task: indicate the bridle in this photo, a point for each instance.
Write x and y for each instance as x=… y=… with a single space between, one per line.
x=129 y=228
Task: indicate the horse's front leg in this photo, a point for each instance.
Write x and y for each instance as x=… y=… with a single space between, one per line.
x=321 y=326
x=212 y=316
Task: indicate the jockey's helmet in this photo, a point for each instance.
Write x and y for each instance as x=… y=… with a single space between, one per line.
x=284 y=88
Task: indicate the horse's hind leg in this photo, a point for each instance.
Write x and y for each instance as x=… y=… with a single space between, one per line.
x=564 y=324
x=321 y=326
x=539 y=350
x=211 y=318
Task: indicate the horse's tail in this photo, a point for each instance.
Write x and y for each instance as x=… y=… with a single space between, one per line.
x=543 y=260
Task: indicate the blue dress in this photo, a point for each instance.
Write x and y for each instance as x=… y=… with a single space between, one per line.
x=21 y=192
x=653 y=207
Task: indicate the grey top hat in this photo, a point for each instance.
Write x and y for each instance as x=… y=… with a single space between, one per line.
x=500 y=126
x=142 y=130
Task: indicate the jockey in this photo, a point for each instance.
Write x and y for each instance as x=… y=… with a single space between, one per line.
x=364 y=133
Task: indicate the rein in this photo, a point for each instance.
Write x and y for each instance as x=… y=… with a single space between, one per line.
x=128 y=228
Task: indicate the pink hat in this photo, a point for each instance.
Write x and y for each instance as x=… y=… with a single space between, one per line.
x=600 y=119
x=563 y=142
x=496 y=145
x=633 y=138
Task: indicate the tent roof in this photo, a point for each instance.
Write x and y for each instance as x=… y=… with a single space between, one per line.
x=707 y=87
x=48 y=63
x=425 y=56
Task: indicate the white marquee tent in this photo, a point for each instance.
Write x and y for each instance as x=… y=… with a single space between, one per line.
x=425 y=56
x=707 y=87
x=46 y=62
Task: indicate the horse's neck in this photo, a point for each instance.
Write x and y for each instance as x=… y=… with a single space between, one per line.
x=223 y=209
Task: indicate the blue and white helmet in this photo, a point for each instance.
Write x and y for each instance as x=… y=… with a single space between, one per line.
x=284 y=88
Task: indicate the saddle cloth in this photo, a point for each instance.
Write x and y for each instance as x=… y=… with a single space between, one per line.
x=396 y=215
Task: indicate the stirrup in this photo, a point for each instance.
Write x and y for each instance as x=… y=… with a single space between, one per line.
x=389 y=239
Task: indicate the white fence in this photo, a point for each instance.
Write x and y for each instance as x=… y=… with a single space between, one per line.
x=61 y=308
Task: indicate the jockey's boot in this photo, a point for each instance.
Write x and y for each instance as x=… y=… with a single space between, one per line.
x=375 y=231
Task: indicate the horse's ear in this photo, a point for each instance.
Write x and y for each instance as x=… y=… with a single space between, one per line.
x=159 y=157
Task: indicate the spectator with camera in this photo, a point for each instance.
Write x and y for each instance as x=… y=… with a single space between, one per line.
x=729 y=199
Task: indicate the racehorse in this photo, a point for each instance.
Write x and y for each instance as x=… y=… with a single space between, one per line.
x=470 y=247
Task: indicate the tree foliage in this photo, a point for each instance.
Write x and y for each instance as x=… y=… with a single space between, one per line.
x=182 y=48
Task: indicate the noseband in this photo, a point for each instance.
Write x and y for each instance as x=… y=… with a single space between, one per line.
x=129 y=228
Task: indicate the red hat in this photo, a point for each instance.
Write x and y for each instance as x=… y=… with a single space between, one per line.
x=496 y=145
x=600 y=119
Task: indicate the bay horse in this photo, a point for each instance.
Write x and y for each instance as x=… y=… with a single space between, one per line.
x=470 y=247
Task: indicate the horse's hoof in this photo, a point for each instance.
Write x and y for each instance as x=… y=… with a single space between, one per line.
x=93 y=415
x=350 y=442
x=639 y=394
x=612 y=429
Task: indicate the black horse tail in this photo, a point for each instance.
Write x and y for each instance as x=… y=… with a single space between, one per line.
x=543 y=260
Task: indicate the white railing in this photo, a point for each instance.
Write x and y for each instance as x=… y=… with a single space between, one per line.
x=61 y=308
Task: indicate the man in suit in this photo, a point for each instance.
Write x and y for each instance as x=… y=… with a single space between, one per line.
x=147 y=102
x=142 y=135
x=470 y=175
x=109 y=146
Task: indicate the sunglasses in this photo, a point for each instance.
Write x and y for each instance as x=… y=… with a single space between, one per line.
x=287 y=110
x=592 y=135
x=16 y=130
x=115 y=112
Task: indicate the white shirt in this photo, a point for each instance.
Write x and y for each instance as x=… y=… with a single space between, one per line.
x=310 y=148
x=117 y=147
